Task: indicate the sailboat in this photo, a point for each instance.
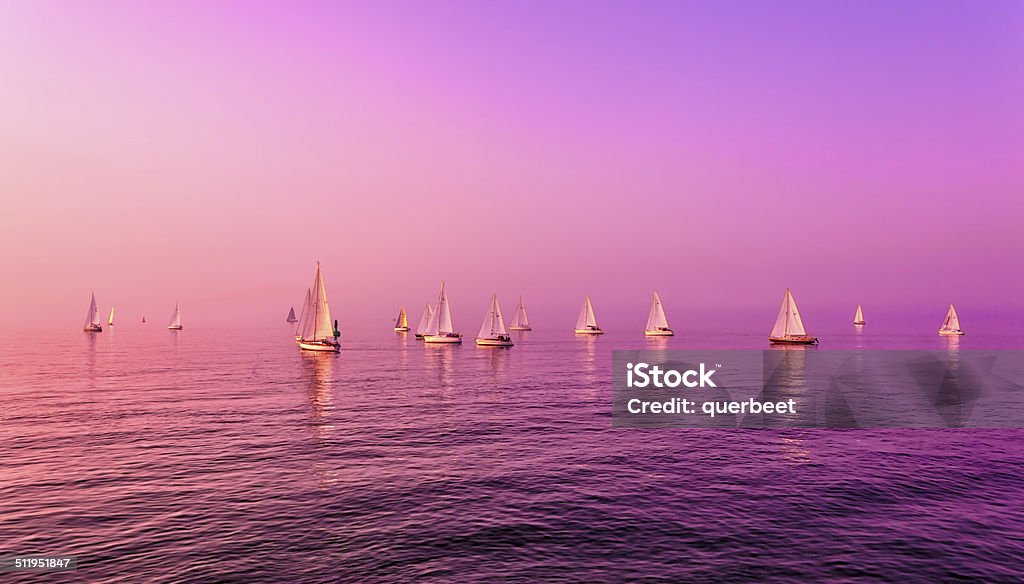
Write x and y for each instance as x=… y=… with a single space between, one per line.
x=492 y=331
x=175 y=319
x=657 y=324
x=424 y=321
x=143 y=320
x=440 y=328
x=402 y=322
x=519 y=321
x=291 y=315
x=92 y=318
x=317 y=334
x=859 y=317
x=586 y=324
x=789 y=327
x=951 y=326
x=110 y=321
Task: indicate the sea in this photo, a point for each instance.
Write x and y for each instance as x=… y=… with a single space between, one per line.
x=227 y=455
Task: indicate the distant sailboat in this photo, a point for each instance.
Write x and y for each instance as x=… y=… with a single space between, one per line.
x=951 y=326
x=859 y=317
x=492 y=331
x=317 y=334
x=519 y=321
x=789 y=327
x=175 y=319
x=440 y=328
x=92 y=318
x=143 y=320
x=402 y=322
x=110 y=321
x=657 y=324
x=424 y=321
x=291 y=315
x=586 y=324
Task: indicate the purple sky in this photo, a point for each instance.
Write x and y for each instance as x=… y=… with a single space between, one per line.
x=208 y=152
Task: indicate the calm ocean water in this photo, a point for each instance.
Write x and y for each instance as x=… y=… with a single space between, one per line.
x=227 y=455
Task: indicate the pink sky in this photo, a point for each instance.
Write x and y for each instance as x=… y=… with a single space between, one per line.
x=209 y=152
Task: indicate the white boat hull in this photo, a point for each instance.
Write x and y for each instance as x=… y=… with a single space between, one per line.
x=951 y=333
x=490 y=342
x=794 y=340
x=449 y=339
x=175 y=327
x=657 y=333
x=519 y=328
x=402 y=329
x=321 y=347
x=588 y=331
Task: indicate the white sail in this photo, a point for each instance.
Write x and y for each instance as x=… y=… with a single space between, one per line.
x=424 y=320
x=952 y=321
x=402 y=321
x=304 y=315
x=656 y=320
x=318 y=325
x=494 y=323
x=788 y=322
x=444 y=319
x=441 y=319
x=92 y=318
x=586 y=318
x=520 y=320
x=175 y=317
x=859 y=317
x=110 y=321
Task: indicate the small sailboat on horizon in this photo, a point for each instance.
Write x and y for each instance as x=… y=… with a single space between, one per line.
x=657 y=323
x=440 y=328
x=586 y=324
x=421 y=328
x=291 y=316
x=402 y=322
x=789 y=327
x=492 y=330
x=858 y=318
x=92 y=318
x=110 y=321
x=175 y=319
x=317 y=333
x=951 y=325
x=520 y=322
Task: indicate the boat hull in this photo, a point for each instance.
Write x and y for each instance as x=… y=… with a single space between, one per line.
x=452 y=339
x=794 y=340
x=858 y=322
x=175 y=328
x=519 y=328
x=320 y=347
x=93 y=329
x=402 y=329
x=292 y=321
x=659 y=333
x=488 y=342
x=951 y=333
x=588 y=331
x=418 y=336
